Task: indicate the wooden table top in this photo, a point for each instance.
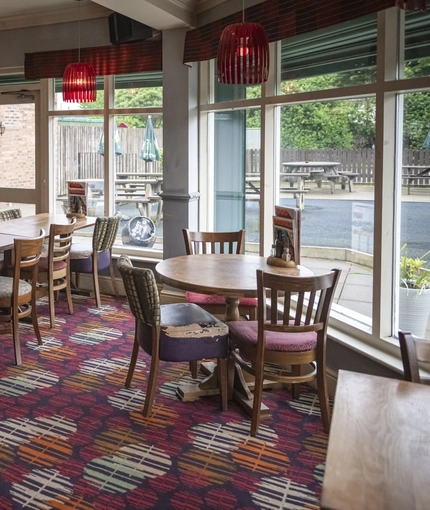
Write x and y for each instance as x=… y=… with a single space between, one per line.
x=29 y=226
x=379 y=445
x=224 y=275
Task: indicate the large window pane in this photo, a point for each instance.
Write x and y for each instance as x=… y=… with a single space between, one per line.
x=138 y=180
x=332 y=144
x=417 y=44
x=339 y=56
x=138 y=91
x=414 y=284
x=237 y=174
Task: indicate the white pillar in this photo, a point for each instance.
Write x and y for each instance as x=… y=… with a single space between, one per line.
x=180 y=142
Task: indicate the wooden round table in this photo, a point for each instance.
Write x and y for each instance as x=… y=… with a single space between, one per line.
x=231 y=276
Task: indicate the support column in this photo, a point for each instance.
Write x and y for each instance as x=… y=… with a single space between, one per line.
x=180 y=142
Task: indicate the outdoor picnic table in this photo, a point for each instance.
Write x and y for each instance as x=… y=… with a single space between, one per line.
x=423 y=173
x=320 y=171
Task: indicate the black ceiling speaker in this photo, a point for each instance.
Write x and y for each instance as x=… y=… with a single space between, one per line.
x=123 y=29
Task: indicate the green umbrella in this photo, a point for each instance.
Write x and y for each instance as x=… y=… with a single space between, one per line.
x=118 y=148
x=150 y=150
x=426 y=144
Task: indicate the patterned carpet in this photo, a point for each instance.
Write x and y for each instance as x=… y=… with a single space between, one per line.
x=73 y=437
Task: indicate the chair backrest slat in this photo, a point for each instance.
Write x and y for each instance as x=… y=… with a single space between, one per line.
x=413 y=351
x=306 y=303
x=60 y=241
x=213 y=242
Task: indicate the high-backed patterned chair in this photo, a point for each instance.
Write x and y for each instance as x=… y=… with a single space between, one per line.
x=291 y=331
x=413 y=351
x=217 y=242
x=54 y=269
x=174 y=332
x=92 y=257
x=18 y=296
x=10 y=214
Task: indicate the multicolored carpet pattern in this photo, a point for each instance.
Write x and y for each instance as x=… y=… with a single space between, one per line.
x=73 y=437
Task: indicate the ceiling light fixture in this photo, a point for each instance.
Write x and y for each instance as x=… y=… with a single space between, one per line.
x=243 y=53
x=79 y=78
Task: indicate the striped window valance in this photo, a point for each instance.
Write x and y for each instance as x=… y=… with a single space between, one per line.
x=136 y=57
x=286 y=18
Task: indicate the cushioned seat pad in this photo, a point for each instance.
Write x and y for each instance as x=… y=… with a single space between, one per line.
x=187 y=333
x=43 y=265
x=6 y=287
x=81 y=250
x=207 y=299
x=85 y=265
x=247 y=331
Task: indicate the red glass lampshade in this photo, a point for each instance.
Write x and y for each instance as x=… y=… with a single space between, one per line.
x=79 y=83
x=243 y=54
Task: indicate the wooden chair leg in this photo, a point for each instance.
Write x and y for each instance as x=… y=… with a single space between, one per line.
x=152 y=386
x=222 y=364
x=295 y=370
x=69 y=295
x=258 y=396
x=35 y=321
x=97 y=290
x=132 y=363
x=112 y=276
x=323 y=393
x=15 y=333
x=193 y=369
x=51 y=299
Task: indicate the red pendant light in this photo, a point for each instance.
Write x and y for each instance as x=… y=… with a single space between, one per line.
x=79 y=79
x=243 y=54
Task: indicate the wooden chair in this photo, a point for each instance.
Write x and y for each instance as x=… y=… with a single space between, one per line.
x=217 y=242
x=413 y=350
x=54 y=269
x=174 y=332
x=10 y=214
x=291 y=331
x=92 y=258
x=18 y=296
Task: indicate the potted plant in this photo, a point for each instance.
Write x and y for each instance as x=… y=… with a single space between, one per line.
x=414 y=294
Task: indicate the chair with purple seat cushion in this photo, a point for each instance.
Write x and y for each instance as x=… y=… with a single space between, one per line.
x=290 y=333
x=54 y=268
x=174 y=332
x=92 y=257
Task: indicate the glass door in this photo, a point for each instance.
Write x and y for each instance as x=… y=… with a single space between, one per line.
x=18 y=188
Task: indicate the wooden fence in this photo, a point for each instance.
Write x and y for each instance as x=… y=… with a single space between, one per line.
x=78 y=157
x=359 y=161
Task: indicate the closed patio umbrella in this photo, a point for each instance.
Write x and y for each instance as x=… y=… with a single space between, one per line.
x=118 y=148
x=150 y=150
x=426 y=144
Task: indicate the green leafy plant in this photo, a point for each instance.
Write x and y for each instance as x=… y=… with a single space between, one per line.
x=413 y=273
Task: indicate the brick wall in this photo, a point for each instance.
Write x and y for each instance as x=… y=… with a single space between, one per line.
x=17 y=146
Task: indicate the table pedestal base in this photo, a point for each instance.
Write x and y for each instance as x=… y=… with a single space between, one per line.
x=241 y=391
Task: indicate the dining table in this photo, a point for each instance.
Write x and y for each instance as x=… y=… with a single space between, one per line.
x=29 y=226
x=231 y=276
x=319 y=171
x=378 y=454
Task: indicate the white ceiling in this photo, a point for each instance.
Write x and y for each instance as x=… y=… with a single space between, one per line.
x=159 y=14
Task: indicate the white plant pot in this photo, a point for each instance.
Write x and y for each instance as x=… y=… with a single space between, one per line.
x=414 y=309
